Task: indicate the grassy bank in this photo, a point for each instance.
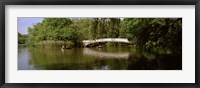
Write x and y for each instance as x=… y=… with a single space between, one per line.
x=54 y=44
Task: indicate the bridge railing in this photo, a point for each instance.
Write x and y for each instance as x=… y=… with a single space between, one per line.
x=87 y=42
x=107 y=40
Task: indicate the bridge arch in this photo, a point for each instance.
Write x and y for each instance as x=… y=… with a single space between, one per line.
x=104 y=40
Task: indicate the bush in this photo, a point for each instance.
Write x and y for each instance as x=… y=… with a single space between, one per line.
x=50 y=44
x=69 y=43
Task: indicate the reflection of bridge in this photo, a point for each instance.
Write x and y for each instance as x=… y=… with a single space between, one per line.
x=100 y=54
x=103 y=40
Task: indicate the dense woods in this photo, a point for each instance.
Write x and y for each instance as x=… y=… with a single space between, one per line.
x=149 y=34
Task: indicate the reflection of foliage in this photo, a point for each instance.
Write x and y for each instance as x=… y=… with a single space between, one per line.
x=74 y=59
x=149 y=56
x=55 y=59
x=156 y=39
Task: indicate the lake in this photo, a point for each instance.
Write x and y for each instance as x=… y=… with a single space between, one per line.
x=106 y=58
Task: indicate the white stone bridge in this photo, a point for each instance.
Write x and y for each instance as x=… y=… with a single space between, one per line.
x=104 y=40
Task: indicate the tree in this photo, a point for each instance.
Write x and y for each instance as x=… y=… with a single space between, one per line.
x=22 y=38
x=147 y=33
x=150 y=33
x=48 y=29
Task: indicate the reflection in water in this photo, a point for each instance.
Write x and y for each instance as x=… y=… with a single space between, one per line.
x=24 y=57
x=102 y=54
x=107 y=58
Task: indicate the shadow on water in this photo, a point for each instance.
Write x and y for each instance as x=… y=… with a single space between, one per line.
x=160 y=62
x=124 y=58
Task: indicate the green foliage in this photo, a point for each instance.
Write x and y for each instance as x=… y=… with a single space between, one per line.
x=53 y=44
x=69 y=43
x=60 y=29
x=22 y=38
x=146 y=33
x=150 y=33
x=50 y=44
x=105 y=27
x=52 y=29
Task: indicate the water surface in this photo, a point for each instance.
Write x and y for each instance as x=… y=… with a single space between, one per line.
x=106 y=58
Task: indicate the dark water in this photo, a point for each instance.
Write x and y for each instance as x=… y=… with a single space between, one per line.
x=106 y=58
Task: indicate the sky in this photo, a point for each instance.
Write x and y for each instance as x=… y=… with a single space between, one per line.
x=24 y=22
